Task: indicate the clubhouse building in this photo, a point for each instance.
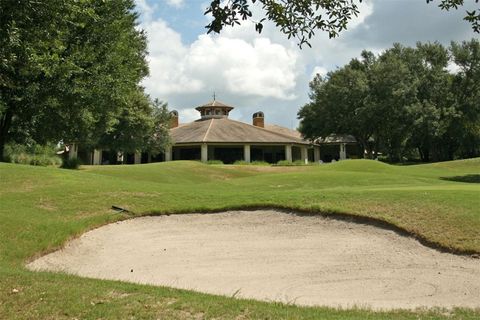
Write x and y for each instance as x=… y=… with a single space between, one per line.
x=216 y=137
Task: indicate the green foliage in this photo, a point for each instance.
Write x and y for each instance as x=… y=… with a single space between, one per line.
x=144 y=125
x=403 y=103
x=339 y=105
x=214 y=162
x=284 y=163
x=298 y=163
x=35 y=154
x=252 y=163
x=73 y=163
x=287 y=163
x=302 y=18
x=241 y=163
x=259 y=163
x=158 y=138
x=70 y=69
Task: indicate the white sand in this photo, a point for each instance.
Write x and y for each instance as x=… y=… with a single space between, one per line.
x=274 y=256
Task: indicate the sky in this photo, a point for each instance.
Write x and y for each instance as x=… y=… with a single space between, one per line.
x=267 y=72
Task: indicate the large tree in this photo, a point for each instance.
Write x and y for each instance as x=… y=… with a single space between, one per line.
x=403 y=103
x=434 y=110
x=142 y=127
x=300 y=19
x=466 y=91
x=68 y=69
x=339 y=104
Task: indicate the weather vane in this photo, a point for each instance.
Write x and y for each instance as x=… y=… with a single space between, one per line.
x=214 y=96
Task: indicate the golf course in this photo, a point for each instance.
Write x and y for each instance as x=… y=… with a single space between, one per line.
x=43 y=208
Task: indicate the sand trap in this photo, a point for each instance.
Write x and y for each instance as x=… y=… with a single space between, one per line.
x=274 y=256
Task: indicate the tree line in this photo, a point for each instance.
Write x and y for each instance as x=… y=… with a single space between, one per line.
x=71 y=70
x=419 y=102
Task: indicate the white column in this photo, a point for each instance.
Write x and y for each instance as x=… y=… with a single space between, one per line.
x=137 y=158
x=316 y=154
x=343 y=151
x=246 y=153
x=73 y=151
x=97 y=157
x=204 y=152
x=288 y=152
x=168 y=154
x=304 y=153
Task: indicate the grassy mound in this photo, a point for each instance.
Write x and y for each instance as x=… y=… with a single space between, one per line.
x=42 y=207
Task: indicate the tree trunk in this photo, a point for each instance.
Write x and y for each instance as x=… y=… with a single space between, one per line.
x=5 y=123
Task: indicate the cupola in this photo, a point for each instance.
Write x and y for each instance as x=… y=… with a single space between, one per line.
x=214 y=109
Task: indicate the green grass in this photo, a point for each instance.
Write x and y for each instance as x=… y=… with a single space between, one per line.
x=42 y=207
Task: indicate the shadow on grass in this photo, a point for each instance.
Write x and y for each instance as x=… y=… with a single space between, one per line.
x=469 y=178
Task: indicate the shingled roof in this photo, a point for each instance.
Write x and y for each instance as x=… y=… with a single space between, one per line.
x=283 y=130
x=228 y=131
x=214 y=103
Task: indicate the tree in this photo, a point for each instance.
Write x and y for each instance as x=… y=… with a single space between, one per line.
x=300 y=19
x=339 y=105
x=434 y=109
x=142 y=127
x=403 y=103
x=68 y=69
x=159 y=137
x=27 y=36
x=466 y=90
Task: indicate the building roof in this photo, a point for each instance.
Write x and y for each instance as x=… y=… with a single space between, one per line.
x=214 y=103
x=337 y=138
x=225 y=130
x=283 y=130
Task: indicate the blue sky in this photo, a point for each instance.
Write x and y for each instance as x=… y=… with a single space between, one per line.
x=268 y=72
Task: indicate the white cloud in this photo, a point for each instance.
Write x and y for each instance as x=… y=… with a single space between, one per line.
x=166 y=51
x=145 y=10
x=318 y=70
x=453 y=68
x=188 y=115
x=218 y=63
x=175 y=3
x=366 y=9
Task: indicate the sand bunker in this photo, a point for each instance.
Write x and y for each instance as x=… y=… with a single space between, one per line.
x=274 y=256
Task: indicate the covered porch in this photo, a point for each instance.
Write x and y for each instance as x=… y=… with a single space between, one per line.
x=230 y=153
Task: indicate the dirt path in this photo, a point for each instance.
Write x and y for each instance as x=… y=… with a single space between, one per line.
x=274 y=256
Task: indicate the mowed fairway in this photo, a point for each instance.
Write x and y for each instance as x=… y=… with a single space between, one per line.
x=41 y=208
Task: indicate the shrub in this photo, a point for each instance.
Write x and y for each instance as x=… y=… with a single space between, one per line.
x=290 y=163
x=73 y=163
x=284 y=163
x=253 y=163
x=36 y=155
x=45 y=160
x=214 y=162
x=298 y=163
x=260 y=163
x=241 y=163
